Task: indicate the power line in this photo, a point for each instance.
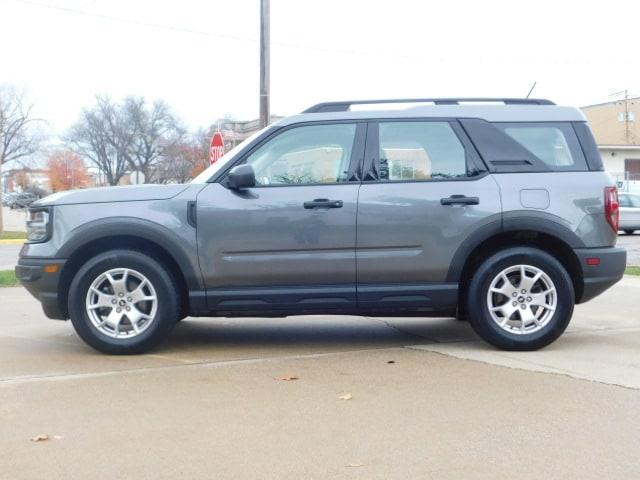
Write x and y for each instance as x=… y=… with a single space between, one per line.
x=135 y=22
x=172 y=28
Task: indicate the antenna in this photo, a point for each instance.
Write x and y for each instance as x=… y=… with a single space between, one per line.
x=531 y=90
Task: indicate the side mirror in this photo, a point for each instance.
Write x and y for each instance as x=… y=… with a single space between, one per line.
x=241 y=176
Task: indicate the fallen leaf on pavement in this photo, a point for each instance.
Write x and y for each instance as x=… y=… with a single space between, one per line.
x=352 y=465
x=43 y=437
x=348 y=396
x=287 y=378
x=391 y=361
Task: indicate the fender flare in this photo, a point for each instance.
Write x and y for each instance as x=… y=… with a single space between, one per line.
x=530 y=221
x=175 y=245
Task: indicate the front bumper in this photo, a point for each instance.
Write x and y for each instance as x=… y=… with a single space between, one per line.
x=609 y=270
x=43 y=283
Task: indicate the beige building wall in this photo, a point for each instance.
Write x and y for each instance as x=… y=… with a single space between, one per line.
x=608 y=123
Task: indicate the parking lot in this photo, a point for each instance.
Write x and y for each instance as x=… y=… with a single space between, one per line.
x=322 y=397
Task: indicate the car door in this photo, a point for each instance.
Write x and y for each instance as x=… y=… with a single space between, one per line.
x=629 y=211
x=288 y=243
x=424 y=192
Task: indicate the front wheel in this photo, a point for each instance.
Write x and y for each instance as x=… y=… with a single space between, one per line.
x=520 y=298
x=123 y=302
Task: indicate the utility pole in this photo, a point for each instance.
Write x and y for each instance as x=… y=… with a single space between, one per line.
x=626 y=116
x=626 y=113
x=264 y=63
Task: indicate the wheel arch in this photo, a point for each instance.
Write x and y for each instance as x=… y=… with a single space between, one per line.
x=146 y=237
x=473 y=254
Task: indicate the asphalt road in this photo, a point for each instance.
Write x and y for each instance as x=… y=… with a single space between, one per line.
x=9 y=255
x=632 y=244
x=209 y=403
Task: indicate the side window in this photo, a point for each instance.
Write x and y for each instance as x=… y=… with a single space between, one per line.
x=625 y=201
x=630 y=201
x=420 y=151
x=305 y=155
x=555 y=144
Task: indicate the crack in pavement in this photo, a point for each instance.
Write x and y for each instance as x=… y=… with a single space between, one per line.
x=207 y=363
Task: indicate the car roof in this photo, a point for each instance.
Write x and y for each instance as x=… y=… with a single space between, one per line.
x=490 y=113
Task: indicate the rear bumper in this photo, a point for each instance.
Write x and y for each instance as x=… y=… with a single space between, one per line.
x=598 y=278
x=41 y=284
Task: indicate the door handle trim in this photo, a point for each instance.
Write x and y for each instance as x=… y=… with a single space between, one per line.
x=323 y=203
x=459 y=200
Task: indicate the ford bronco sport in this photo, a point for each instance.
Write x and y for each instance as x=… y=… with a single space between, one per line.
x=494 y=210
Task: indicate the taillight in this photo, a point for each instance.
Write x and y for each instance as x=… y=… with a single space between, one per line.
x=612 y=207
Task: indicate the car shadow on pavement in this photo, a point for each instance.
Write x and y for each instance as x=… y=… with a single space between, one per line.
x=294 y=332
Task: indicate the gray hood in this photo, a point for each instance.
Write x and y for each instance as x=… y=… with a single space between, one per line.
x=132 y=193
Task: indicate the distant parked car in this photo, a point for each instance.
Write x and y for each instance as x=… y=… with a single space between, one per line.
x=8 y=198
x=23 y=200
x=629 y=212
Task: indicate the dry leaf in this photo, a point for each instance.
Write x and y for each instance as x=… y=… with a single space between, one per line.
x=287 y=378
x=43 y=437
x=391 y=361
x=353 y=465
x=348 y=396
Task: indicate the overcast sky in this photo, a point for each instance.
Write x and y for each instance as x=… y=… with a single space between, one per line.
x=201 y=56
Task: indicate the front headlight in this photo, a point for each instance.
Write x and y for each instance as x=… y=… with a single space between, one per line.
x=39 y=224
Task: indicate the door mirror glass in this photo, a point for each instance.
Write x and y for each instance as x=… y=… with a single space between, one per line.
x=241 y=176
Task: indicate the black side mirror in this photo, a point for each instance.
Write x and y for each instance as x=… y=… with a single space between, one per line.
x=241 y=176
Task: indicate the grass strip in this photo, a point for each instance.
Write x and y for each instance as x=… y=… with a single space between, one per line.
x=8 y=278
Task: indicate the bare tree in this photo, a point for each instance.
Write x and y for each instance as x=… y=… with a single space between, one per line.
x=155 y=131
x=184 y=159
x=18 y=137
x=102 y=137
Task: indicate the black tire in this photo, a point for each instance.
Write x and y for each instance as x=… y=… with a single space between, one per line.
x=629 y=232
x=168 y=302
x=478 y=308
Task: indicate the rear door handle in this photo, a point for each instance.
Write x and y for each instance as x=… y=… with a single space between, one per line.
x=459 y=200
x=323 y=203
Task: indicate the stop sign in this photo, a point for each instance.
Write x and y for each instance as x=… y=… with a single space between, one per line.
x=217 y=147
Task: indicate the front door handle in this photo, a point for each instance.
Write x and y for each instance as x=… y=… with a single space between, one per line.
x=323 y=203
x=459 y=200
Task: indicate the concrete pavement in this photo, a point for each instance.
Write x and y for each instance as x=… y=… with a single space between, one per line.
x=207 y=404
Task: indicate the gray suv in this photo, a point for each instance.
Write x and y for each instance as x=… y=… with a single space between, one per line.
x=493 y=210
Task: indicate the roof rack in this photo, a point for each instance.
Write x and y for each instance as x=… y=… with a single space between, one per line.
x=345 y=105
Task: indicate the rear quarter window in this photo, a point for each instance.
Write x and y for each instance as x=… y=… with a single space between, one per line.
x=554 y=144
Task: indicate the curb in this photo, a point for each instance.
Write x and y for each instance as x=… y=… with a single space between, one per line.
x=12 y=241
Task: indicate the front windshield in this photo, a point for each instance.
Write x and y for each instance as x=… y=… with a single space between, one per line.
x=226 y=158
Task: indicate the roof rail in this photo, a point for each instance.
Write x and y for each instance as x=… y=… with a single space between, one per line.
x=345 y=105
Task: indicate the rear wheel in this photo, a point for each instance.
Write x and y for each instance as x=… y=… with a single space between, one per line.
x=629 y=232
x=520 y=298
x=123 y=302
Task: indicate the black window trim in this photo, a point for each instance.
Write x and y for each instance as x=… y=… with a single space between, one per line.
x=357 y=152
x=371 y=163
x=577 y=148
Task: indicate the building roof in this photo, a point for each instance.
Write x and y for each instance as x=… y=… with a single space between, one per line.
x=612 y=102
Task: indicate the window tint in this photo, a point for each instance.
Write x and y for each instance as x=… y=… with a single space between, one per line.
x=555 y=144
x=420 y=151
x=304 y=155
